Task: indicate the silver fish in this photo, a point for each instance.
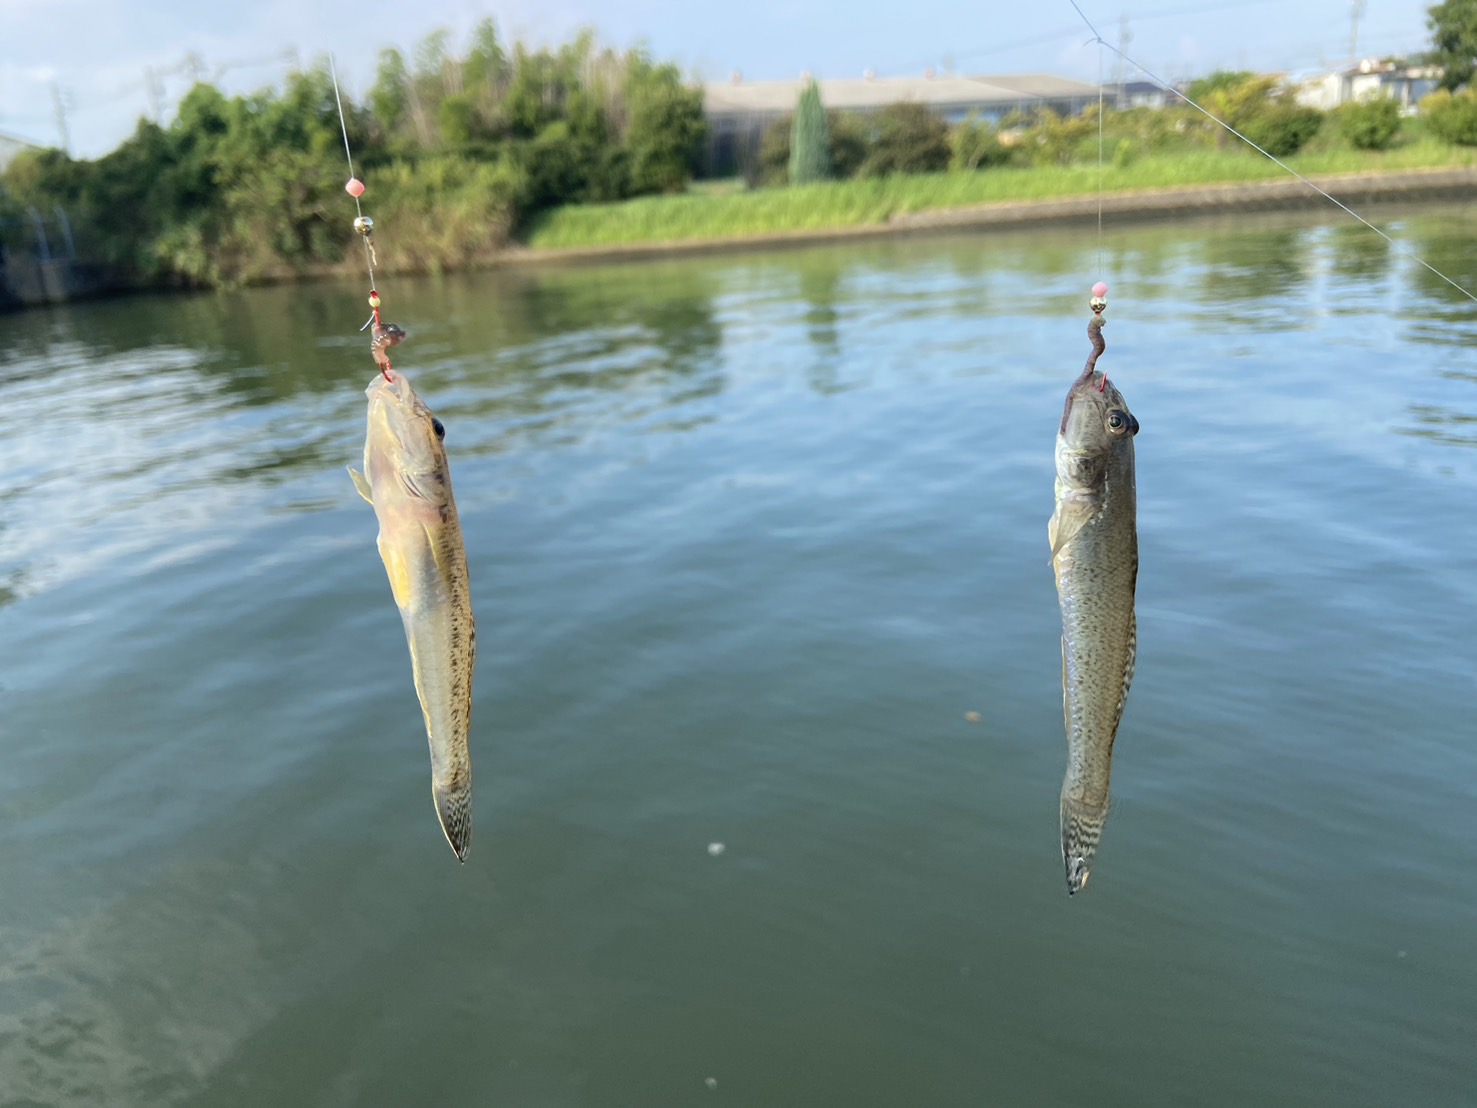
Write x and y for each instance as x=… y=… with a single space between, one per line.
x=1094 y=552
x=407 y=481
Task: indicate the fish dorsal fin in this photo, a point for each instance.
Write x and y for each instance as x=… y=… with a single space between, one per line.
x=1070 y=517
x=362 y=484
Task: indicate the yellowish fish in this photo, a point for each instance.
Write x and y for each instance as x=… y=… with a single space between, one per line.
x=407 y=481
x=1094 y=552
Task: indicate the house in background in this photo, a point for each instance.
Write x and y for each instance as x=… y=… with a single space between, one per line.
x=1371 y=78
x=1139 y=94
x=739 y=111
x=11 y=145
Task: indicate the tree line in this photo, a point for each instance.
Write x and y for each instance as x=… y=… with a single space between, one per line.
x=458 y=153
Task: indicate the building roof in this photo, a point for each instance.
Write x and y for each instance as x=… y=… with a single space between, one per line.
x=11 y=145
x=728 y=98
x=6 y=136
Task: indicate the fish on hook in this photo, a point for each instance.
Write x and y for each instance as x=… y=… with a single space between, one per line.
x=408 y=482
x=1094 y=554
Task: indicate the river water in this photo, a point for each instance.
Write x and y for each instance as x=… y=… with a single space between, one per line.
x=751 y=538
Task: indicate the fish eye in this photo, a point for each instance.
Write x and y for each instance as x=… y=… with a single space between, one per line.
x=438 y=427
x=1117 y=421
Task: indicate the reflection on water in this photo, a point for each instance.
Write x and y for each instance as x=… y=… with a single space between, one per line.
x=1256 y=278
x=157 y=432
x=1357 y=253
x=1446 y=423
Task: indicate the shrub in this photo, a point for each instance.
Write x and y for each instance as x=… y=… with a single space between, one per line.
x=1370 y=124
x=1452 y=116
x=1054 y=139
x=848 y=138
x=976 y=144
x=774 y=152
x=1281 y=128
x=910 y=139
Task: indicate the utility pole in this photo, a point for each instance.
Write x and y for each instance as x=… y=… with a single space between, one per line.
x=1357 y=10
x=59 y=101
x=1124 y=38
x=154 y=85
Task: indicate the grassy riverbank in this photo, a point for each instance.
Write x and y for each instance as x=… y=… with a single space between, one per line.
x=716 y=213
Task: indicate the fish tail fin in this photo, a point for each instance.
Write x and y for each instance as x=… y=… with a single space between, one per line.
x=454 y=809
x=1082 y=828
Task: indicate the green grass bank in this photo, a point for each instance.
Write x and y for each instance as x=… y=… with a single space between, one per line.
x=718 y=213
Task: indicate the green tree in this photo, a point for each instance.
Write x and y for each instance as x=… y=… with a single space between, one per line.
x=1234 y=99
x=909 y=139
x=665 y=128
x=536 y=95
x=1201 y=88
x=456 y=116
x=1453 y=26
x=1257 y=108
x=810 y=153
x=390 y=95
x=487 y=63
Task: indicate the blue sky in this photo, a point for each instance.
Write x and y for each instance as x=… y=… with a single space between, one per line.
x=97 y=51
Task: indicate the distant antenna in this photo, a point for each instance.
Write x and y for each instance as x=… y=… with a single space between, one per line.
x=1357 y=10
x=1124 y=38
x=155 y=86
x=61 y=101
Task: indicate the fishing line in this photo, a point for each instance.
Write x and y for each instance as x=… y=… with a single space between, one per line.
x=349 y=157
x=384 y=335
x=1100 y=162
x=1399 y=248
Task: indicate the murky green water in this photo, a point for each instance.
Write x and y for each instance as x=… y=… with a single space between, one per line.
x=749 y=536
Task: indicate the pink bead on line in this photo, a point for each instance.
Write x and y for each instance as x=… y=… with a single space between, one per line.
x=355 y=187
x=1099 y=290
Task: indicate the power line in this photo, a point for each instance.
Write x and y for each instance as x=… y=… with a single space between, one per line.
x=1073 y=29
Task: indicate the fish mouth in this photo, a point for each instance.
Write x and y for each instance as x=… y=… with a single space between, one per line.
x=391 y=382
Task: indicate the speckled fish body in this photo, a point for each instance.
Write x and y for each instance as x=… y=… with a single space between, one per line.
x=408 y=482
x=1094 y=552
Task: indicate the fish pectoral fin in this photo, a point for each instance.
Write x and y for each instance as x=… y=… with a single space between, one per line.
x=1068 y=519
x=362 y=484
x=397 y=568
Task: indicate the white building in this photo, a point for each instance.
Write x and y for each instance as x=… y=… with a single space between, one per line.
x=738 y=111
x=1368 y=80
